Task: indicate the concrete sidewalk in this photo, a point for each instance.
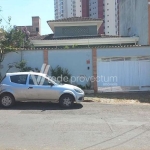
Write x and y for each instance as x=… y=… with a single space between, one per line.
x=119 y=98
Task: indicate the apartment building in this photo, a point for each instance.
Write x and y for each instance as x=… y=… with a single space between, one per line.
x=67 y=8
x=105 y=9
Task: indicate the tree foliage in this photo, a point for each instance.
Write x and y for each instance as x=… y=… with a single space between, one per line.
x=61 y=74
x=12 y=39
x=22 y=66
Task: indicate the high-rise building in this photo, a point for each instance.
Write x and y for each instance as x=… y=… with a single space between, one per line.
x=111 y=17
x=104 y=9
x=67 y=8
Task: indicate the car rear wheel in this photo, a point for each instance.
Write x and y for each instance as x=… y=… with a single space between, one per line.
x=7 y=100
x=66 y=101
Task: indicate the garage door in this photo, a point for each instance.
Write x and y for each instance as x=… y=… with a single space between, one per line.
x=123 y=73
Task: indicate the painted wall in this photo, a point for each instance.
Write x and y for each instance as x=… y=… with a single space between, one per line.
x=74 y=60
x=33 y=58
x=77 y=61
x=133 y=19
x=75 y=31
x=124 y=52
x=10 y=58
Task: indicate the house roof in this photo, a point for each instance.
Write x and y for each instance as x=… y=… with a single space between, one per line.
x=75 y=19
x=51 y=37
x=85 y=47
x=49 y=41
x=42 y=37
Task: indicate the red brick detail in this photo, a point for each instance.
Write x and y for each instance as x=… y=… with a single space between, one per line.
x=94 y=62
x=45 y=54
x=100 y=15
x=85 y=8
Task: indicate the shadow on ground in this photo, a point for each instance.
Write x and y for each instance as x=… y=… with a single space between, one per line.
x=40 y=106
x=142 y=97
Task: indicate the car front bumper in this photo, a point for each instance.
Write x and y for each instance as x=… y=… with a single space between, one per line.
x=79 y=97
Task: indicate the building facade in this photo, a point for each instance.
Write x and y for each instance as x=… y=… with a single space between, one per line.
x=134 y=19
x=104 y=9
x=79 y=32
x=67 y=8
x=111 y=16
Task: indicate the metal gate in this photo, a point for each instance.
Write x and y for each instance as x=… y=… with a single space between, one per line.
x=123 y=75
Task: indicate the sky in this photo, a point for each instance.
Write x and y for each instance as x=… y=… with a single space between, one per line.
x=21 y=12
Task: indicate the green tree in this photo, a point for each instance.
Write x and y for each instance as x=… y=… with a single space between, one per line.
x=22 y=66
x=11 y=38
x=61 y=74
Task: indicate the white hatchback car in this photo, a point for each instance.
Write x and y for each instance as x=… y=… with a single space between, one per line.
x=31 y=86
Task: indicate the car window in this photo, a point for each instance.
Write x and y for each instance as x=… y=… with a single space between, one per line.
x=39 y=80
x=19 y=79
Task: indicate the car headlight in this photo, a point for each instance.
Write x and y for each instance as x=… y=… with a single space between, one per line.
x=78 y=91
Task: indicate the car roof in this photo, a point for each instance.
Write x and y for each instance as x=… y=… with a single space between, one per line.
x=23 y=73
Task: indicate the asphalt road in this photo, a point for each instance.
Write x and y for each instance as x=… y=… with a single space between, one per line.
x=90 y=126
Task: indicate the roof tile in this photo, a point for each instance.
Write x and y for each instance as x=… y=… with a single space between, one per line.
x=51 y=37
x=75 y=19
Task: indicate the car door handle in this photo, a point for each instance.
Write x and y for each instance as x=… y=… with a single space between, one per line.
x=30 y=88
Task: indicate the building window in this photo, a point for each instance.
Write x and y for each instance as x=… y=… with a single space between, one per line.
x=37 y=29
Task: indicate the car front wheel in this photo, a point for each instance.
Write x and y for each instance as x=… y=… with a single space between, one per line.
x=7 y=100
x=66 y=101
